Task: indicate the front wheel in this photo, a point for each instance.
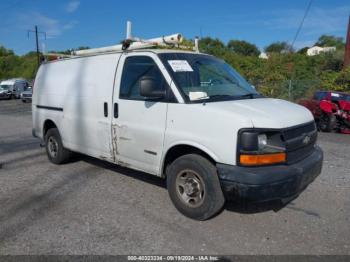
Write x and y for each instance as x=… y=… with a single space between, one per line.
x=56 y=153
x=194 y=187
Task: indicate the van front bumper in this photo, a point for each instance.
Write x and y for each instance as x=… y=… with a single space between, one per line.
x=279 y=182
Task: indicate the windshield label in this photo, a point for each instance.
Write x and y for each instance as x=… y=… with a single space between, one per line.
x=198 y=95
x=180 y=66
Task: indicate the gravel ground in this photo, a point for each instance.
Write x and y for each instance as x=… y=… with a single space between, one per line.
x=92 y=207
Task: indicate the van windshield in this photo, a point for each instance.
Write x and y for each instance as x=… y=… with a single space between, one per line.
x=203 y=78
x=5 y=87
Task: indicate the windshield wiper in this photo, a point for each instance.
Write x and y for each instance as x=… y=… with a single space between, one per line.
x=250 y=95
x=225 y=97
x=220 y=97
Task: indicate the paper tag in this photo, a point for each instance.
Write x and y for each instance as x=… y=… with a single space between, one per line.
x=335 y=95
x=180 y=66
x=198 y=95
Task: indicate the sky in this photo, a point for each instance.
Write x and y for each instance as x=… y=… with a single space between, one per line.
x=95 y=23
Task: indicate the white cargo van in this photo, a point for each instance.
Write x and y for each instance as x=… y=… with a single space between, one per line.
x=185 y=116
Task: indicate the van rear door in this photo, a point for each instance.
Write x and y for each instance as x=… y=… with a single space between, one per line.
x=138 y=124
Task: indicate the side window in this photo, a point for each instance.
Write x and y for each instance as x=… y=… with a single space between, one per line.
x=135 y=67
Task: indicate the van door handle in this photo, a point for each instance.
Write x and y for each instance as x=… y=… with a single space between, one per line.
x=105 y=109
x=116 y=111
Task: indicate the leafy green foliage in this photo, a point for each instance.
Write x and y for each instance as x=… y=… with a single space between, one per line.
x=12 y=65
x=330 y=40
x=278 y=47
x=243 y=48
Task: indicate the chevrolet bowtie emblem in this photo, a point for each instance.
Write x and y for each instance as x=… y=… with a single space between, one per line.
x=306 y=139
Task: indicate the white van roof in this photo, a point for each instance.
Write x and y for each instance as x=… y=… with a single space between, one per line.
x=156 y=51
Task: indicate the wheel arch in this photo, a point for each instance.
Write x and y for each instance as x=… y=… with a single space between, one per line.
x=48 y=124
x=184 y=148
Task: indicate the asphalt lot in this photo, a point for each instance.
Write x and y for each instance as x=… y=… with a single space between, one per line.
x=92 y=207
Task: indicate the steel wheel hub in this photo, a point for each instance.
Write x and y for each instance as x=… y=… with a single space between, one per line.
x=190 y=188
x=52 y=147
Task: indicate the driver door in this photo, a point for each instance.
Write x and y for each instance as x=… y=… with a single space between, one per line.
x=138 y=125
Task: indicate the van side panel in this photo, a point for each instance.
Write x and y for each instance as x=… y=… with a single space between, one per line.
x=72 y=94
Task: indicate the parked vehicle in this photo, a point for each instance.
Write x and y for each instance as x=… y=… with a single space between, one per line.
x=184 y=116
x=16 y=86
x=5 y=93
x=331 y=110
x=26 y=96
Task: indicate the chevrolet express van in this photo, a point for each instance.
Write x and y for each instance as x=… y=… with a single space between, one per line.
x=184 y=116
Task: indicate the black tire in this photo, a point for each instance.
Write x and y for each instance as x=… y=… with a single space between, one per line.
x=24 y=101
x=210 y=201
x=55 y=151
x=327 y=122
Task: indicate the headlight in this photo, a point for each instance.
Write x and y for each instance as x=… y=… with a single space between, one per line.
x=258 y=147
x=262 y=141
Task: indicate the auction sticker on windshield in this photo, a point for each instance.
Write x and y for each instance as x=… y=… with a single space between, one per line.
x=180 y=66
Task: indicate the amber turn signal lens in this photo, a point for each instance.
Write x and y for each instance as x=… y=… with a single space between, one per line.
x=266 y=159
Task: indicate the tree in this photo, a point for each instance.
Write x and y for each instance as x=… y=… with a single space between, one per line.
x=303 y=50
x=5 y=52
x=278 y=47
x=243 y=47
x=212 y=46
x=330 y=40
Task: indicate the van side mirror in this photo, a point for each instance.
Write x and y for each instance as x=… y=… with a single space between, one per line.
x=148 y=88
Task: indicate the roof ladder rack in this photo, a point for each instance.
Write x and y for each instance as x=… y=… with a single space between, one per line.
x=133 y=43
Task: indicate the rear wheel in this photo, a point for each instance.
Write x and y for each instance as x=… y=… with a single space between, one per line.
x=327 y=122
x=194 y=187
x=56 y=153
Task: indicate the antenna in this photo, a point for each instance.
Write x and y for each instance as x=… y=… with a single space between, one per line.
x=196 y=44
x=128 y=30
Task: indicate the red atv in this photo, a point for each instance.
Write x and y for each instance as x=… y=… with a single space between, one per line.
x=331 y=110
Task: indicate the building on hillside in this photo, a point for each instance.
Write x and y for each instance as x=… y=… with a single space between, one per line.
x=263 y=55
x=316 y=50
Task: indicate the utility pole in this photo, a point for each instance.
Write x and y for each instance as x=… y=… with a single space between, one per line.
x=37 y=45
x=36 y=32
x=347 y=48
